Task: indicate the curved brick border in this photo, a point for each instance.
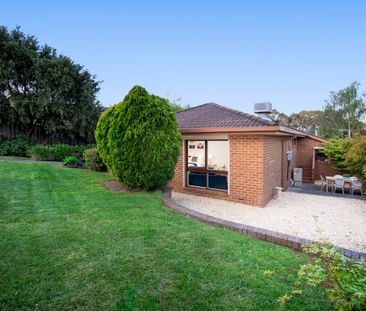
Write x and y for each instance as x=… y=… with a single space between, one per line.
x=261 y=234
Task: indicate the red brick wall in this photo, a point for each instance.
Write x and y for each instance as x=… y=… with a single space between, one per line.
x=272 y=166
x=305 y=157
x=325 y=169
x=255 y=169
x=177 y=182
x=247 y=169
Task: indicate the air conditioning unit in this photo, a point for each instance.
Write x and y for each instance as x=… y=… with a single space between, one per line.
x=297 y=176
x=265 y=107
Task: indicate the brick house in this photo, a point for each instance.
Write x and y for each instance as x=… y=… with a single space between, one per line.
x=236 y=156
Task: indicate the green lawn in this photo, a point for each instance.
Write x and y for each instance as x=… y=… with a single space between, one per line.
x=68 y=243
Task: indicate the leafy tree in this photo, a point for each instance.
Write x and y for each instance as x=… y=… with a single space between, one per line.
x=305 y=120
x=345 y=110
x=139 y=140
x=177 y=106
x=336 y=149
x=355 y=157
x=39 y=88
x=348 y=154
x=281 y=118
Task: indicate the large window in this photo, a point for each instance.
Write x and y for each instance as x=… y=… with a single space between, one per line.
x=207 y=163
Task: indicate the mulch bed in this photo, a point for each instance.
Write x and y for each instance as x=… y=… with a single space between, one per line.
x=113 y=185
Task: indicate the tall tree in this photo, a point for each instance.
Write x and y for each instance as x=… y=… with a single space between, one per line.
x=345 y=109
x=39 y=88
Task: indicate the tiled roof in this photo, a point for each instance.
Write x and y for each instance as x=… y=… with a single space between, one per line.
x=216 y=116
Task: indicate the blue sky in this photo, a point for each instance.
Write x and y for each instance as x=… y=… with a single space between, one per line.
x=235 y=53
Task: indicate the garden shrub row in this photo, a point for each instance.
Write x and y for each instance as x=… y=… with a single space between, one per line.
x=17 y=146
x=56 y=152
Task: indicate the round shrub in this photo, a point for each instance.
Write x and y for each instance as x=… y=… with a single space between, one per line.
x=139 y=140
x=93 y=161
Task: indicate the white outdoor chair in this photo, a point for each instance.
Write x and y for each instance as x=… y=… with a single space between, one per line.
x=356 y=185
x=323 y=184
x=338 y=184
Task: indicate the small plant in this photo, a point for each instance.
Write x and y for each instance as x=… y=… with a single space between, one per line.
x=344 y=279
x=72 y=162
x=93 y=161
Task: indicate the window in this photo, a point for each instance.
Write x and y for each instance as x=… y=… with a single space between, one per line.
x=320 y=156
x=197 y=153
x=207 y=163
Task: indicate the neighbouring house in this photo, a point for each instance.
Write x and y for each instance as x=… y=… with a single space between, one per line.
x=236 y=156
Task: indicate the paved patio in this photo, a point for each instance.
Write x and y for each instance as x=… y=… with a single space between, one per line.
x=323 y=218
x=315 y=189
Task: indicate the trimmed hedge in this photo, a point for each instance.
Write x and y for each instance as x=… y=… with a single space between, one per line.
x=16 y=146
x=139 y=140
x=56 y=152
x=93 y=161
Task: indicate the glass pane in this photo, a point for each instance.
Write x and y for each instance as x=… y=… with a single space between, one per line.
x=218 y=155
x=217 y=181
x=196 y=153
x=197 y=179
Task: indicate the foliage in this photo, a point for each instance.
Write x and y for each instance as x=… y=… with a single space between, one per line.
x=355 y=157
x=56 y=152
x=177 y=106
x=16 y=146
x=102 y=134
x=40 y=89
x=72 y=162
x=96 y=249
x=93 y=161
x=343 y=278
x=348 y=154
x=308 y=121
x=344 y=111
x=335 y=148
x=139 y=140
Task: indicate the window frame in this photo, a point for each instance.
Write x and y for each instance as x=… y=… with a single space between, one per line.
x=205 y=169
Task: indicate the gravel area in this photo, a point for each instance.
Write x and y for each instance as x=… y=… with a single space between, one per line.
x=340 y=221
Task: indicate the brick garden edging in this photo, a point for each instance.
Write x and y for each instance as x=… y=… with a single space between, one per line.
x=261 y=234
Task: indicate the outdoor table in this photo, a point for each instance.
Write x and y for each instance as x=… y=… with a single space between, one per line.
x=331 y=180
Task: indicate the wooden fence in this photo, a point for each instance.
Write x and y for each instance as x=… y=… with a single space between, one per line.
x=10 y=131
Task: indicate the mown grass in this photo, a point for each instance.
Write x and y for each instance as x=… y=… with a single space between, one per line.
x=68 y=243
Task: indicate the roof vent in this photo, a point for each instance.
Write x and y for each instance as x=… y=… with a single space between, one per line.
x=263 y=108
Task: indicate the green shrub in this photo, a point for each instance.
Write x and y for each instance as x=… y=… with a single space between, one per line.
x=344 y=279
x=15 y=146
x=139 y=140
x=56 y=152
x=348 y=154
x=101 y=134
x=93 y=161
x=72 y=161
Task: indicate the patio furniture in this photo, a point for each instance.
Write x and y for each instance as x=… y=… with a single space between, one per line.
x=323 y=183
x=331 y=180
x=338 y=184
x=356 y=185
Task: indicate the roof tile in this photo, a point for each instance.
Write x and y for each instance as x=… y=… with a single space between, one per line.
x=212 y=115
